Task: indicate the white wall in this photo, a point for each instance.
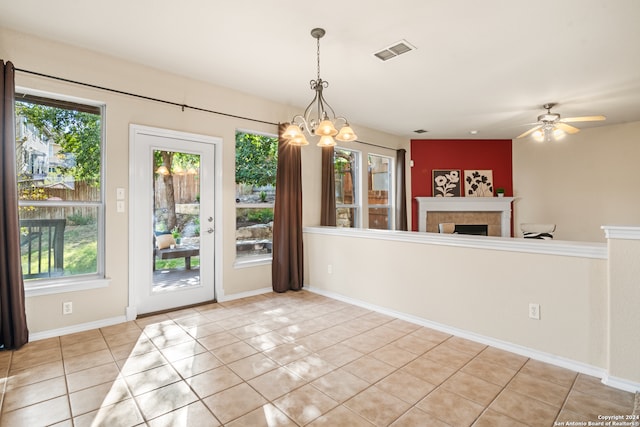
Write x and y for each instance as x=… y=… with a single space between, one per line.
x=580 y=183
x=624 y=295
x=481 y=287
x=34 y=54
x=478 y=290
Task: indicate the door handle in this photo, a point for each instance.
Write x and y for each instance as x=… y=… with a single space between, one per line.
x=209 y=230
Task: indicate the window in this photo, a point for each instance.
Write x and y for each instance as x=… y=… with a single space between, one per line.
x=256 y=164
x=59 y=174
x=345 y=164
x=380 y=179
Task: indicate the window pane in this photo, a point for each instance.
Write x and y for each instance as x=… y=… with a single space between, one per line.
x=58 y=241
x=346 y=217
x=58 y=165
x=58 y=153
x=176 y=220
x=345 y=165
x=256 y=164
x=379 y=218
x=345 y=168
x=379 y=184
x=254 y=231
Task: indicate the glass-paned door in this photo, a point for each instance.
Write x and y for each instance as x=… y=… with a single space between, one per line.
x=173 y=221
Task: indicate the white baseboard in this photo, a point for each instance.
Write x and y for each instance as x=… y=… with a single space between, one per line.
x=621 y=383
x=261 y=291
x=573 y=365
x=76 y=328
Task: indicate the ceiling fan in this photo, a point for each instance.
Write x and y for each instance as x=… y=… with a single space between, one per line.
x=550 y=125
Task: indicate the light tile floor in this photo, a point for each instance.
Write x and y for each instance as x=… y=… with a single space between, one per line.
x=284 y=360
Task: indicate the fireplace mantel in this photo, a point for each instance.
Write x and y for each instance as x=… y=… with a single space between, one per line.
x=466 y=204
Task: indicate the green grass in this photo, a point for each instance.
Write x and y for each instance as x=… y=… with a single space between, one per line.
x=172 y=264
x=80 y=251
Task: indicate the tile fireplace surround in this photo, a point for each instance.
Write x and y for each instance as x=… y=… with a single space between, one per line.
x=468 y=205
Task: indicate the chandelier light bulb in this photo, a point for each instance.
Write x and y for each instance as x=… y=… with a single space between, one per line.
x=346 y=134
x=326 y=141
x=292 y=131
x=299 y=140
x=326 y=128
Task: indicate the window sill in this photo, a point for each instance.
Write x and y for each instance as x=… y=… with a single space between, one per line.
x=49 y=287
x=252 y=261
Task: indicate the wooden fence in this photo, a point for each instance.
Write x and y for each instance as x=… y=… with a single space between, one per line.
x=186 y=189
x=81 y=191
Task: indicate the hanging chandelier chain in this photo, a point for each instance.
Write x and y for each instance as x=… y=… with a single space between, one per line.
x=318 y=55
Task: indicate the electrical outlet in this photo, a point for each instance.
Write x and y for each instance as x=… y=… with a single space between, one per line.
x=67 y=307
x=534 y=311
x=329 y=268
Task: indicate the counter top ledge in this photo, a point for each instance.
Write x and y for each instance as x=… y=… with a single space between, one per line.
x=512 y=244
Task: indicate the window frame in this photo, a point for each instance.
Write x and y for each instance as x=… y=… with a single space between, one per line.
x=258 y=259
x=390 y=206
x=46 y=286
x=357 y=187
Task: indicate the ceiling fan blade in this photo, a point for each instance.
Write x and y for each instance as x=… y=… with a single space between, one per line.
x=583 y=119
x=533 y=129
x=567 y=128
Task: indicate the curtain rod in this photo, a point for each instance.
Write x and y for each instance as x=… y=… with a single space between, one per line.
x=148 y=98
x=163 y=101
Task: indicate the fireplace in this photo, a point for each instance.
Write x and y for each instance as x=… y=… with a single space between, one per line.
x=494 y=211
x=473 y=229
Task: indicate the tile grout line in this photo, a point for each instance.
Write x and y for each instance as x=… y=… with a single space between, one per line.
x=566 y=398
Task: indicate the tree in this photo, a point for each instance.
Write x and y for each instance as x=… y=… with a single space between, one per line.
x=167 y=160
x=78 y=134
x=256 y=159
x=170 y=160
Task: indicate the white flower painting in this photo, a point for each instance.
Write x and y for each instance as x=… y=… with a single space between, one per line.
x=446 y=183
x=478 y=183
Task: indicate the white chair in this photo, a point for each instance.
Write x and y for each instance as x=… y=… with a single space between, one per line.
x=537 y=231
x=447 y=227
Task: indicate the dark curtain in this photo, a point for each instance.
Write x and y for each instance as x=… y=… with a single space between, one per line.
x=287 y=263
x=328 y=202
x=13 y=320
x=401 y=190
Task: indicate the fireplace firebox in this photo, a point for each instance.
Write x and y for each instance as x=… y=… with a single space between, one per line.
x=473 y=229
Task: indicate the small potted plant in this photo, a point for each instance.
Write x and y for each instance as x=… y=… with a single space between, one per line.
x=176 y=235
x=500 y=192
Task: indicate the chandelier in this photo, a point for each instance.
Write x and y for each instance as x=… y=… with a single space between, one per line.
x=318 y=118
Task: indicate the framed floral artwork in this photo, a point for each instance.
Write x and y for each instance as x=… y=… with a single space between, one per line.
x=446 y=183
x=478 y=183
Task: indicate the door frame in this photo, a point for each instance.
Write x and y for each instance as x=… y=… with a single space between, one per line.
x=134 y=131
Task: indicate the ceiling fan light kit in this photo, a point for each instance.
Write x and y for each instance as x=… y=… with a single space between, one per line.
x=551 y=127
x=318 y=118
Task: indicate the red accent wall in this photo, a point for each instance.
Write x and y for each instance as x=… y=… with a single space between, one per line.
x=429 y=154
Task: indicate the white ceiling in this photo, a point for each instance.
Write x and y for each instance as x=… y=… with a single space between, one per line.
x=479 y=65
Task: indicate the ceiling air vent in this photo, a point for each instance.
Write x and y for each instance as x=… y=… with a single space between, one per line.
x=421 y=131
x=394 y=50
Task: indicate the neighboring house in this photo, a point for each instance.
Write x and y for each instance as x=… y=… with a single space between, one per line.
x=40 y=158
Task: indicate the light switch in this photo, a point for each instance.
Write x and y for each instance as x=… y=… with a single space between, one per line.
x=120 y=206
x=120 y=194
